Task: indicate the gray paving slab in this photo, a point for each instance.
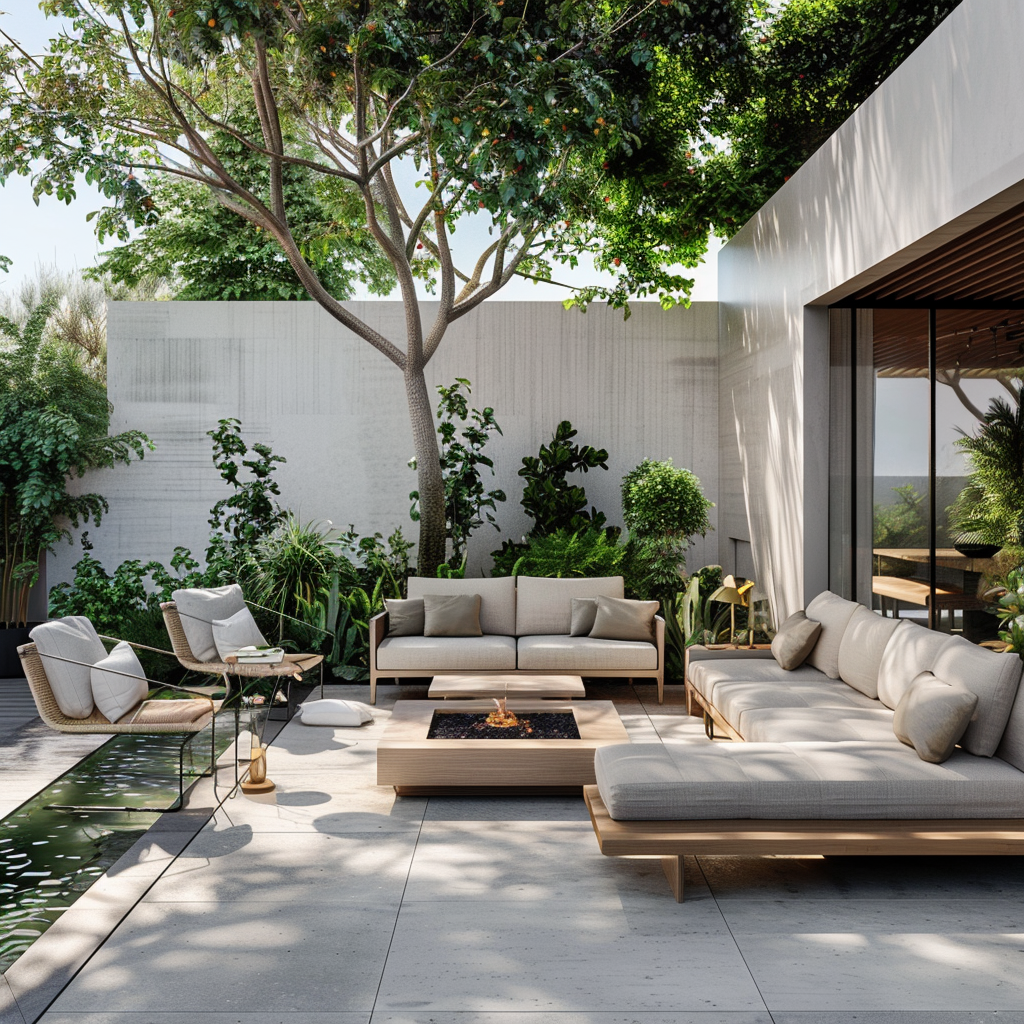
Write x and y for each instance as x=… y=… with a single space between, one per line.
x=9 y=1012
x=571 y=1017
x=882 y=954
x=237 y=957
x=506 y=808
x=239 y=864
x=902 y=1017
x=610 y=954
x=190 y=1017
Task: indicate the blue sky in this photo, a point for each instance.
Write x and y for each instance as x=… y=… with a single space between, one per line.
x=55 y=234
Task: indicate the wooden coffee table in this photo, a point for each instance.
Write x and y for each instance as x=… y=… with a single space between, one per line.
x=416 y=766
x=509 y=685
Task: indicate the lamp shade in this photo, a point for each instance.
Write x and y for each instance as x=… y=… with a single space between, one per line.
x=729 y=592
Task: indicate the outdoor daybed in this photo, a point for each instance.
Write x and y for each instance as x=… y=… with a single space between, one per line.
x=818 y=768
x=526 y=624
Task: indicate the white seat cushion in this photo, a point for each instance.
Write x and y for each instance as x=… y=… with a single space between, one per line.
x=580 y=653
x=447 y=653
x=706 y=675
x=61 y=643
x=497 y=598
x=544 y=605
x=808 y=724
x=330 y=711
x=118 y=682
x=198 y=608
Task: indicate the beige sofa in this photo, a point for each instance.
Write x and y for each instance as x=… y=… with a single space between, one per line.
x=818 y=768
x=525 y=622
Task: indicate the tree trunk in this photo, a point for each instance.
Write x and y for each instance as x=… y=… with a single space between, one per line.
x=428 y=470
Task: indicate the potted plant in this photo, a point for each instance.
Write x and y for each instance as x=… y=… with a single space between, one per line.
x=54 y=415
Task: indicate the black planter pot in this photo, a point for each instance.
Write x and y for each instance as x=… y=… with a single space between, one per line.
x=10 y=641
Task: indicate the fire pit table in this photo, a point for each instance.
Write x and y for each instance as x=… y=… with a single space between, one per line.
x=486 y=759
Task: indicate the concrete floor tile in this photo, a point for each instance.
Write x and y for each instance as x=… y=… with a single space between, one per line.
x=239 y=864
x=640 y=728
x=564 y=956
x=682 y=727
x=529 y=862
x=855 y=878
x=9 y=1012
x=506 y=808
x=189 y=1017
x=569 y=1017
x=881 y=954
x=902 y=1017
x=236 y=957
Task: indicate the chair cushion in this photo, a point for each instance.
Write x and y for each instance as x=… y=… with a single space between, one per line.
x=236 y=631
x=621 y=619
x=794 y=640
x=911 y=650
x=577 y=654
x=446 y=653
x=345 y=713
x=993 y=677
x=72 y=638
x=118 y=682
x=855 y=779
x=167 y=712
x=834 y=614
x=198 y=607
x=544 y=605
x=584 y=611
x=497 y=599
x=862 y=647
x=451 y=615
x=405 y=618
x=932 y=715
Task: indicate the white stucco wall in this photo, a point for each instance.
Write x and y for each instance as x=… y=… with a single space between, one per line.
x=335 y=408
x=936 y=150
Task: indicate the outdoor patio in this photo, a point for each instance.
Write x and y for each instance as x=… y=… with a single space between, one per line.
x=331 y=900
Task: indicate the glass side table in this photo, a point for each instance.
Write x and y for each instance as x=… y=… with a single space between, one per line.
x=252 y=718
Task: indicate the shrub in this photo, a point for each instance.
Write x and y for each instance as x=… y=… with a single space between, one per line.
x=585 y=552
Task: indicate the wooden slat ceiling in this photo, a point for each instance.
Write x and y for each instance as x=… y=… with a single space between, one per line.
x=985 y=264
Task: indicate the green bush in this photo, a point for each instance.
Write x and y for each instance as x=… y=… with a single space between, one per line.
x=585 y=552
x=659 y=500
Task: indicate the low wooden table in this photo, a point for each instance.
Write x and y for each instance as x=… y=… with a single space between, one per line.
x=416 y=766
x=508 y=685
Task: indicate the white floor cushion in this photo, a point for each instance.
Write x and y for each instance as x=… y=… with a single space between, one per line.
x=334 y=712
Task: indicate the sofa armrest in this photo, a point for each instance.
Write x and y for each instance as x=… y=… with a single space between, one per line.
x=659 y=639
x=378 y=630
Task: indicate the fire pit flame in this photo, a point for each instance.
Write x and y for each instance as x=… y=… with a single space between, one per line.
x=501 y=717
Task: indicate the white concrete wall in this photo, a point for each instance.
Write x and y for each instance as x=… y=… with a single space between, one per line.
x=934 y=151
x=335 y=408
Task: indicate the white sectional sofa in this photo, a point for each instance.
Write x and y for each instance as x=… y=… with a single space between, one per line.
x=816 y=766
x=526 y=623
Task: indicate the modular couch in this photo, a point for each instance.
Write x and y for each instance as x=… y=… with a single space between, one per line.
x=815 y=766
x=525 y=622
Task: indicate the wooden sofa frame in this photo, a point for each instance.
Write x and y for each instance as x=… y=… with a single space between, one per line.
x=379 y=630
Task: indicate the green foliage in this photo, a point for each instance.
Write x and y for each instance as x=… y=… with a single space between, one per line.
x=660 y=500
x=702 y=620
x=467 y=503
x=53 y=427
x=991 y=506
x=1010 y=611
x=904 y=523
x=585 y=552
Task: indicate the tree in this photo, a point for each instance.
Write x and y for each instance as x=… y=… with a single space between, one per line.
x=572 y=128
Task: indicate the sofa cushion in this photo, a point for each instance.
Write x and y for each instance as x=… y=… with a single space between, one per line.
x=794 y=640
x=61 y=643
x=848 y=780
x=236 y=631
x=706 y=675
x=862 y=647
x=1011 y=746
x=993 y=677
x=619 y=618
x=451 y=615
x=834 y=613
x=405 y=618
x=932 y=715
x=198 y=607
x=579 y=654
x=584 y=611
x=497 y=599
x=544 y=606
x=118 y=682
x=447 y=654
x=811 y=724
x=911 y=650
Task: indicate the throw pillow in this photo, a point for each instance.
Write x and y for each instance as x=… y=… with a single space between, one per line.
x=68 y=648
x=584 y=611
x=451 y=615
x=198 y=608
x=619 y=618
x=240 y=630
x=334 y=712
x=932 y=716
x=118 y=682
x=405 y=618
x=795 y=640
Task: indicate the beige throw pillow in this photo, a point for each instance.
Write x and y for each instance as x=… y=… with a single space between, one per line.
x=932 y=716
x=239 y=630
x=618 y=618
x=584 y=611
x=405 y=618
x=795 y=640
x=451 y=615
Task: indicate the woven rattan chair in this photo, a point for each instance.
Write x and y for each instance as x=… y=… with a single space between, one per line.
x=149 y=717
x=290 y=669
